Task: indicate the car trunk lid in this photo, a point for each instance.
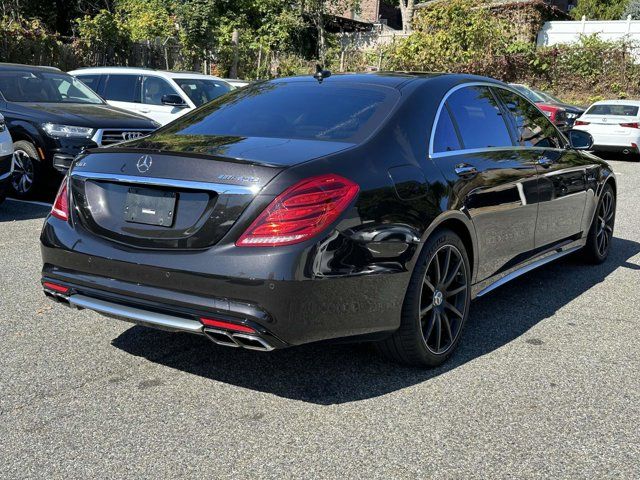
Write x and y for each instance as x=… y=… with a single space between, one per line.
x=184 y=198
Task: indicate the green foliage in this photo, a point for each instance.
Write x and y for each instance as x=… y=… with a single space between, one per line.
x=449 y=34
x=599 y=9
x=146 y=19
x=633 y=9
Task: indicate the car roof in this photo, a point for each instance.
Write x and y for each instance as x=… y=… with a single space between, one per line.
x=142 y=71
x=631 y=103
x=393 y=79
x=30 y=68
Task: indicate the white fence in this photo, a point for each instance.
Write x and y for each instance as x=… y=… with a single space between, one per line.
x=553 y=33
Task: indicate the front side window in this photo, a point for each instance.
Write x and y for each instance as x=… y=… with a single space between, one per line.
x=44 y=87
x=201 y=91
x=446 y=137
x=480 y=121
x=154 y=88
x=533 y=128
x=121 y=88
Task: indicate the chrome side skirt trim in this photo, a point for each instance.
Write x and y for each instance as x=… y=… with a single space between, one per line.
x=136 y=315
x=220 y=188
x=525 y=269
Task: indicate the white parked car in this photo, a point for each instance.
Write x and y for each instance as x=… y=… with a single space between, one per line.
x=159 y=95
x=614 y=125
x=6 y=158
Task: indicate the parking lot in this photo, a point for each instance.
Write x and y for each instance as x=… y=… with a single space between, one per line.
x=546 y=383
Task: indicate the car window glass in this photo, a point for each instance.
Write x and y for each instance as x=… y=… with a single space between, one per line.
x=90 y=81
x=446 y=138
x=201 y=91
x=532 y=127
x=291 y=110
x=44 y=87
x=121 y=88
x=154 y=88
x=620 y=110
x=479 y=118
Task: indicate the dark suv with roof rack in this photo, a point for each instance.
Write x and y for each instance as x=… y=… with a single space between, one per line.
x=52 y=117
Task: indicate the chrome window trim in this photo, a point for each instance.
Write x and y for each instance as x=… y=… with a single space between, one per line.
x=220 y=188
x=468 y=151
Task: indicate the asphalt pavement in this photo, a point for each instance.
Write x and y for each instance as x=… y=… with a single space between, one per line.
x=545 y=384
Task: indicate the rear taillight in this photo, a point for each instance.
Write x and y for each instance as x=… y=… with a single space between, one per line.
x=60 y=207
x=630 y=125
x=580 y=122
x=300 y=212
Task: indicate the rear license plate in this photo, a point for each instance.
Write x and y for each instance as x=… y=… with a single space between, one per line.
x=150 y=207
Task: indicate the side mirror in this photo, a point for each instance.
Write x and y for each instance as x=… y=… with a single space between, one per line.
x=173 y=100
x=580 y=140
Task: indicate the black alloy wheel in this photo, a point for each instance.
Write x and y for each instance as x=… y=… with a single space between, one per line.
x=605 y=220
x=600 y=235
x=443 y=300
x=23 y=173
x=436 y=305
x=27 y=170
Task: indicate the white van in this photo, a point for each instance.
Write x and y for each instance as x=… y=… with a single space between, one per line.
x=159 y=95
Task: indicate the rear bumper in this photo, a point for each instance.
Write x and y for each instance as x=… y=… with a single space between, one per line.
x=273 y=292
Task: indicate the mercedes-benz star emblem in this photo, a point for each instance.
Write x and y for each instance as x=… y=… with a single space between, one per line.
x=144 y=163
x=438 y=297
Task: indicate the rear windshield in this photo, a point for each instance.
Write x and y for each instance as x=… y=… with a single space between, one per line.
x=619 y=110
x=201 y=91
x=306 y=111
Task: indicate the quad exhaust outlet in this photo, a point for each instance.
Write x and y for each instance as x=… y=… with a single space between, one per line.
x=242 y=340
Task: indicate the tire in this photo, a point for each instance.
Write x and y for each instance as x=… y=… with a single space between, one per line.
x=427 y=310
x=27 y=176
x=600 y=234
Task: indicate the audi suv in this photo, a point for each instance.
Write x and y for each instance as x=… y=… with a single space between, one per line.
x=52 y=117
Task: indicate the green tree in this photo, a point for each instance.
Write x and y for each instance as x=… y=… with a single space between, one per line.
x=147 y=19
x=633 y=9
x=599 y=9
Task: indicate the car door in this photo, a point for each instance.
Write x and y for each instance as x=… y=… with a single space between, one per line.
x=562 y=182
x=123 y=91
x=492 y=182
x=154 y=88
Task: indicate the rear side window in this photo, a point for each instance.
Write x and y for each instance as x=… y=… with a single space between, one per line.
x=297 y=110
x=91 y=81
x=533 y=128
x=619 y=110
x=446 y=137
x=121 y=88
x=479 y=118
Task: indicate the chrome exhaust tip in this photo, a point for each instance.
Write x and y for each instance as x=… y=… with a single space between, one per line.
x=220 y=337
x=242 y=340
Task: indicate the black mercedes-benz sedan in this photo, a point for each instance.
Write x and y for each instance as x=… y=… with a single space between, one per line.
x=374 y=207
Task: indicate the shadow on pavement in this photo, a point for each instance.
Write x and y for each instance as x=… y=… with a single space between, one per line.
x=11 y=210
x=332 y=374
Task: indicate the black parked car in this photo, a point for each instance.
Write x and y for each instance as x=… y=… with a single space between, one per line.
x=365 y=206
x=52 y=117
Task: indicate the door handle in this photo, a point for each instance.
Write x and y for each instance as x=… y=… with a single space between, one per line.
x=465 y=170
